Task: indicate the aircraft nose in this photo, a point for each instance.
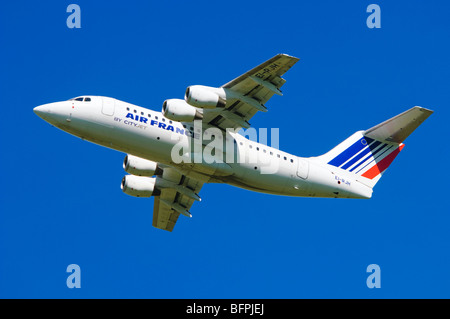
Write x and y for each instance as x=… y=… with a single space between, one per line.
x=41 y=110
x=55 y=113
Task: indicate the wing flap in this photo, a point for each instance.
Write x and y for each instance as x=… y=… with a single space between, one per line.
x=163 y=215
x=174 y=200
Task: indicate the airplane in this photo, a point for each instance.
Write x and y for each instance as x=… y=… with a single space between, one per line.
x=167 y=156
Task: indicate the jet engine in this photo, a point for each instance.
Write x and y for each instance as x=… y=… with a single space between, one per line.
x=139 y=186
x=204 y=97
x=178 y=110
x=138 y=166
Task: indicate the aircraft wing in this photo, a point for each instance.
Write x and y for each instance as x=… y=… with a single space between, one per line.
x=250 y=92
x=175 y=199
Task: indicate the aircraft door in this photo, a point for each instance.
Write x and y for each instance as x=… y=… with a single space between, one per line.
x=108 y=106
x=303 y=168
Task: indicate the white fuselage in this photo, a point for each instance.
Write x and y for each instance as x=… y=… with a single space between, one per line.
x=148 y=134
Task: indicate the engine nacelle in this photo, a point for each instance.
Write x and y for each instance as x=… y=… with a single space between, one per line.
x=139 y=186
x=204 y=97
x=139 y=166
x=178 y=110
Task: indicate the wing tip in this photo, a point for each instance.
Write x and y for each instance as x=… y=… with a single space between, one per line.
x=288 y=56
x=423 y=109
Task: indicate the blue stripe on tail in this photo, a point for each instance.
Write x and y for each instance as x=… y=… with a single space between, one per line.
x=360 y=155
x=372 y=154
x=351 y=151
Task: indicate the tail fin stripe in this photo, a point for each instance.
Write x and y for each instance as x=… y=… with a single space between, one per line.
x=371 y=147
x=372 y=154
x=350 y=151
x=389 y=147
x=381 y=166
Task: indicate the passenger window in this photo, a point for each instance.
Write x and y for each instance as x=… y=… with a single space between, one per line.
x=149 y=115
x=278 y=155
x=128 y=108
x=142 y=113
x=285 y=158
x=292 y=161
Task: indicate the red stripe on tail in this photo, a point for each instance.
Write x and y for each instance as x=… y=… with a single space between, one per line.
x=381 y=166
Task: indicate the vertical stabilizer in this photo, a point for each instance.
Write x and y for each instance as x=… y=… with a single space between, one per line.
x=367 y=154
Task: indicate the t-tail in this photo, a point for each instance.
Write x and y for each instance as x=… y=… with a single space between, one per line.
x=366 y=155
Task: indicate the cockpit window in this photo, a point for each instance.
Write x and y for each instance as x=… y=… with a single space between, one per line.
x=81 y=99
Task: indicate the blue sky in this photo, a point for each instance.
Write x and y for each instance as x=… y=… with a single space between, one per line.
x=60 y=198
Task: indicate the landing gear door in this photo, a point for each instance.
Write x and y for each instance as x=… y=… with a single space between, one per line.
x=302 y=168
x=108 y=106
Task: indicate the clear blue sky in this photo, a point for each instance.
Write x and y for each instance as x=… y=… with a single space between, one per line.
x=61 y=201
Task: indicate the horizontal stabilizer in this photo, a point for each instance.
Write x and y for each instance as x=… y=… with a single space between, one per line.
x=398 y=128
